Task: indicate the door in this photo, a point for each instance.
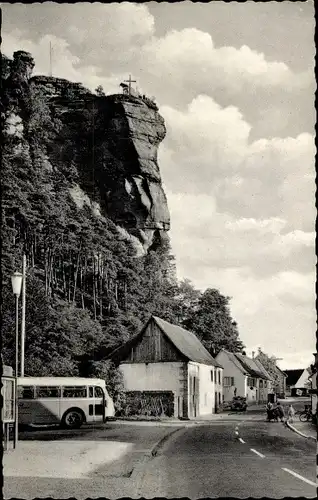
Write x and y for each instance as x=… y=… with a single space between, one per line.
x=96 y=406
x=215 y=402
x=180 y=406
x=26 y=409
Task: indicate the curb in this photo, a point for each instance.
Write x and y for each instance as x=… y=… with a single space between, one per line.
x=299 y=432
x=162 y=441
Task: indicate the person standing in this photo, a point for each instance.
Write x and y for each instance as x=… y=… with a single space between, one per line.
x=280 y=412
x=291 y=414
x=269 y=409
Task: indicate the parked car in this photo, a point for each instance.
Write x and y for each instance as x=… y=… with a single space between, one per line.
x=238 y=404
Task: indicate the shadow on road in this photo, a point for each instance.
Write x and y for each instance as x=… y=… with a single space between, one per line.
x=55 y=433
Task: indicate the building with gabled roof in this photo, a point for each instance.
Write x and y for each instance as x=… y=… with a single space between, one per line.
x=245 y=377
x=277 y=375
x=297 y=382
x=166 y=362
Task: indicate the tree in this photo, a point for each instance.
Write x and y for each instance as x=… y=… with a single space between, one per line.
x=211 y=321
x=100 y=91
x=269 y=363
x=186 y=301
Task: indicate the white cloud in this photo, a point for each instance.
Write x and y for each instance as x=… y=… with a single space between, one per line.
x=272 y=225
x=207 y=150
x=111 y=41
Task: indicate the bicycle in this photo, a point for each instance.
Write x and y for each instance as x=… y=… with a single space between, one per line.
x=305 y=416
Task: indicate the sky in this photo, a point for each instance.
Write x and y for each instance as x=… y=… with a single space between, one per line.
x=235 y=84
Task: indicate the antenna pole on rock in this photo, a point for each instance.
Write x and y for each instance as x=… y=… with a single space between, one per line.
x=50 y=74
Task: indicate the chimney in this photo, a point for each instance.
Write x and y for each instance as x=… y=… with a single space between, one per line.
x=253 y=354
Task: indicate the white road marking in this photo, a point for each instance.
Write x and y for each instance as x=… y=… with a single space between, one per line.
x=299 y=477
x=257 y=453
x=241 y=440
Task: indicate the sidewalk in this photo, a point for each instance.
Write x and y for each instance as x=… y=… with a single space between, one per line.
x=78 y=459
x=251 y=414
x=62 y=459
x=305 y=429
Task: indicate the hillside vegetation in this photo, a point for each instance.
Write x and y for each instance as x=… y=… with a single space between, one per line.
x=88 y=290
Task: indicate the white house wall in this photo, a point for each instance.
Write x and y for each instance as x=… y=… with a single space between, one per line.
x=207 y=387
x=152 y=376
x=231 y=370
x=252 y=395
x=165 y=376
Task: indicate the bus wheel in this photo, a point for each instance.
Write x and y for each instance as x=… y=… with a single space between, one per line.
x=72 y=419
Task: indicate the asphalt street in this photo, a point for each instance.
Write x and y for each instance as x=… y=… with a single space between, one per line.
x=210 y=461
x=217 y=459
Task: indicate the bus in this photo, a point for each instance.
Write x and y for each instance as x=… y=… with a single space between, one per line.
x=67 y=401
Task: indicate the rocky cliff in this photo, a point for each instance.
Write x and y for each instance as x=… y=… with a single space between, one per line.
x=109 y=146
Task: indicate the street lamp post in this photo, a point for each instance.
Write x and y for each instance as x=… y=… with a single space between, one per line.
x=16 y=280
x=23 y=315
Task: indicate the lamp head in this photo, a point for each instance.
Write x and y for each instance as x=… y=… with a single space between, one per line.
x=16 y=281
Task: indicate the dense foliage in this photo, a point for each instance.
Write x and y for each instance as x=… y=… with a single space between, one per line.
x=87 y=292
x=210 y=319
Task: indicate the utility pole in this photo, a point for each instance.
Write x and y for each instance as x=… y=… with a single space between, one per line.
x=50 y=59
x=23 y=313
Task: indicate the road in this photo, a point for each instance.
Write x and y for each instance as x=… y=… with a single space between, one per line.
x=237 y=459
x=212 y=461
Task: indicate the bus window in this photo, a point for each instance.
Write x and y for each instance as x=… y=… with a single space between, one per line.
x=26 y=392
x=98 y=393
x=47 y=392
x=75 y=392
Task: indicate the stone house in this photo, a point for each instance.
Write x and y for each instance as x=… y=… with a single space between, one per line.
x=170 y=371
x=243 y=376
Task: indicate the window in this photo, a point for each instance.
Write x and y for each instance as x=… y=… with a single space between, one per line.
x=261 y=384
x=26 y=392
x=228 y=381
x=265 y=383
x=47 y=392
x=98 y=392
x=75 y=392
x=251 y=382
x=219 y=376
x=212 y=377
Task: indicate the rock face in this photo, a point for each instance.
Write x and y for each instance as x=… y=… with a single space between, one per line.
x=111 y=142
x=136 y=201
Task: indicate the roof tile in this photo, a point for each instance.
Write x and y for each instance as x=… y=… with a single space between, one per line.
x=187 y=343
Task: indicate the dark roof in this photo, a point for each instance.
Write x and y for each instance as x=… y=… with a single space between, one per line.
x=293 y=376
x=262 y=369
x=186 y=342
x=251 y=367
x=234 y=360
x=281 y=371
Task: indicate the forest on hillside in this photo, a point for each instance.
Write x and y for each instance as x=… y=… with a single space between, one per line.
x=87 y=291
